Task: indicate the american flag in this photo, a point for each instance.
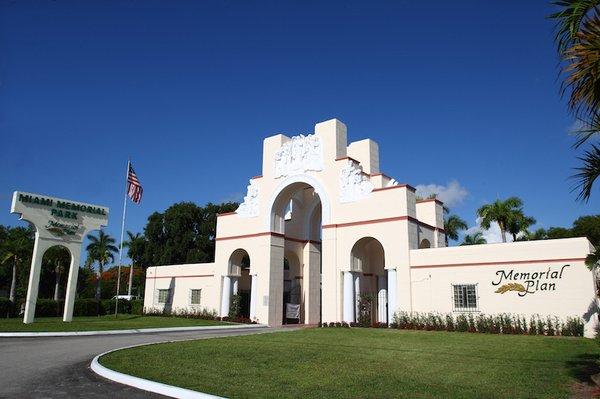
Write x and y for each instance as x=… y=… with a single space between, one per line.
x=134 y=187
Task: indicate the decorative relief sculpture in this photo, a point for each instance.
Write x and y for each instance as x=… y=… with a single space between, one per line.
x=299 y=155
x=249 y=208
x=354 y=184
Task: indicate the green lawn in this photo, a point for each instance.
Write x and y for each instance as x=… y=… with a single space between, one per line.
x=96 y=323
x=367 y=363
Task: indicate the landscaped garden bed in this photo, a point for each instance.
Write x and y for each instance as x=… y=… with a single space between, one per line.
x=368 y=363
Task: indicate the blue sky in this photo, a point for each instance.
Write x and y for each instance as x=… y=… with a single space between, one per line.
x=452 y=92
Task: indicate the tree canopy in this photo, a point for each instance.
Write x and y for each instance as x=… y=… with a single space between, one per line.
x=183 y=233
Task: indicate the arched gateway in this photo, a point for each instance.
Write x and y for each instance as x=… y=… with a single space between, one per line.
x=322 y=226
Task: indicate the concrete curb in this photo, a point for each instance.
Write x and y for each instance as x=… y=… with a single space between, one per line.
x=132 y=331
x=146 y=385
x=152 y=386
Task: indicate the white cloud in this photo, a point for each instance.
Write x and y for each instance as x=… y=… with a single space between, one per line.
x=491 y=235
x=451 y=194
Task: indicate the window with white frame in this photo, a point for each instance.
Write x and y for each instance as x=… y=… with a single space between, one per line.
x=163 y=295
x=195 y=296
x=464 y=297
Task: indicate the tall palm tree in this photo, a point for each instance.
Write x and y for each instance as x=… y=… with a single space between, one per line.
x=452 y=225
x=135 y=245
x=59 y=257
x=578 y=44
x=519 y=223
x=16 y=248
x=500 y=212
x=16 y=261
x=474 y=239
x=102 y=250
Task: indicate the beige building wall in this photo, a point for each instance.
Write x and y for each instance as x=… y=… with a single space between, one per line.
x=320 y=203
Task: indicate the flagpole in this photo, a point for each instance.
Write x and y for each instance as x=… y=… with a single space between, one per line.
x=121 y=243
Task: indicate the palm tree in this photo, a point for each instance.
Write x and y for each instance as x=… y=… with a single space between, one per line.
x=519 y=223
x=452 y=225
x=16 y=260
x=474 y=239
x=578 y=44
x=102 y=250
x=501 y=212
x=16 y=248
x=134 y=244
x=539 y=234
x=59 y=257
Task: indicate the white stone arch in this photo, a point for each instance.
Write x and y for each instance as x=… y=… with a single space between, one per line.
x=234 y=265
x=357 y=254
x=285 y=183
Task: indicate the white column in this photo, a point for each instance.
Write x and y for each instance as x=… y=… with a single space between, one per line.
x=348 y=297
x=392 y=294
x=34 y=281
x=71 y=285
x=225 y=296
x=382 y=299
x=253 y=294
x=357 y=277
x=236 y=282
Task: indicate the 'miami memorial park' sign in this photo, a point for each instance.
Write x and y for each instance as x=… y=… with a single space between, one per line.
x=59 y=217
x=528 y=282
x=57 y=222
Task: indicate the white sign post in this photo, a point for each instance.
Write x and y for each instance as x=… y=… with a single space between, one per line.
x=57 y=222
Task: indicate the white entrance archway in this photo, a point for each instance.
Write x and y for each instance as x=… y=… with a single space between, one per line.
x=57 y=222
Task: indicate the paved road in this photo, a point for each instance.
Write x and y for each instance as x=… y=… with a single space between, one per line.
x=59 y=367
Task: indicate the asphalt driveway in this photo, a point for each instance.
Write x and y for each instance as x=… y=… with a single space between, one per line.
x=59 y=367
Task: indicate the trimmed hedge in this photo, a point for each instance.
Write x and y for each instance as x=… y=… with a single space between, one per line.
x=503 y=323
x=86 y=307
x=82 y=307
x=49 y=308
x=137 y=306
x=7 y=308
x=108 y=306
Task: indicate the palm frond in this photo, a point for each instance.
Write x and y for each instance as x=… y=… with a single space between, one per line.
x=582 y=70
x=569 y=19
x=588 y=173
x=592 y=260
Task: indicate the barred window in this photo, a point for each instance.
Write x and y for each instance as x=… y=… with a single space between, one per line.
x=465 y=297
x=195 y=296
x=163 y=296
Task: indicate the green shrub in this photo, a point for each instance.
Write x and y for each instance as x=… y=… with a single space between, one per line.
x=137 y=306
x=7 y=308
x=86 y=307
x=108 y=306
x=235 y=306
x=49 y=308
x=573 y=327
x=494 y=324
x=462 y=324
x=365 y=307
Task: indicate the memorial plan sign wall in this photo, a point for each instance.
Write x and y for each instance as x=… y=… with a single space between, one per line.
x=57 y=221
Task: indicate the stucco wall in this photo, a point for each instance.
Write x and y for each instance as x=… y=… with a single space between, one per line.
x=553 y=272
x=181 y=279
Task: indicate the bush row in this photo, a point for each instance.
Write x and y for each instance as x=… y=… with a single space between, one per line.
x=81 y=307
x=503 y=323
x=198 y=313
x=481 y=323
